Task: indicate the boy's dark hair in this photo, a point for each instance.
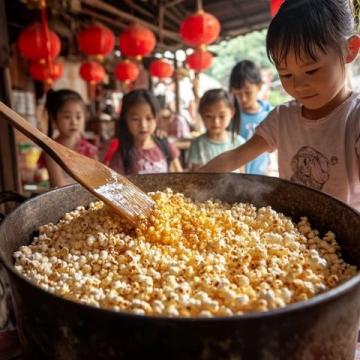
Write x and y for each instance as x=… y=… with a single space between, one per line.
x=216 y=95
x=55 y=100
x=243 y=71
x=126 y=140
x=305 y=25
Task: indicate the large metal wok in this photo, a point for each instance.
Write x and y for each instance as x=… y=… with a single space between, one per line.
x=324 y=327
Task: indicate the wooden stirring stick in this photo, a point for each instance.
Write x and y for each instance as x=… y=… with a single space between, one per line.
x=113 y=189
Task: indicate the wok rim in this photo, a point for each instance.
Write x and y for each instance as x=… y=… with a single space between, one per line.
x=317 y=300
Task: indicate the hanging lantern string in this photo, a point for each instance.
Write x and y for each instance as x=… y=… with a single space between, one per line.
x=45 y=27
x=199 y=5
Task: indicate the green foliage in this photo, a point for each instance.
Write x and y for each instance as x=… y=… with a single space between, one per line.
x=251 y=47
x=277 y=97
x=356 y=4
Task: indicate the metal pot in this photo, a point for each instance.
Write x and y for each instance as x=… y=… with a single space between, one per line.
x=324 y=327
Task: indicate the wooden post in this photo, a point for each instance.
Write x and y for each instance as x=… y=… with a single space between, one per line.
x=9 y=174
x=196 y=87
x=177 y=86
x=151 y=81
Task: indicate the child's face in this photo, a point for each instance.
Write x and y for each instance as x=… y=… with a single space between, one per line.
x=313 y=83
x=217 y=117
x=70 y=119
x=141 y=121
x=165 y=115
x=247 y=95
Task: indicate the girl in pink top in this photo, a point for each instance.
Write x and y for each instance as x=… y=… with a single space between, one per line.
x=139 y=151
x=66 y=110
x=317 y=134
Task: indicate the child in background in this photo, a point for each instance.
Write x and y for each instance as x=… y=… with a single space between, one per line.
x=173 y=124
x=217 y=112
x=139 y=151
x=317 y=135
x=245 y=85
x=66 y=110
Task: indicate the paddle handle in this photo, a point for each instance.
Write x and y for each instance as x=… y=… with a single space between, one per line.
x=47 y=144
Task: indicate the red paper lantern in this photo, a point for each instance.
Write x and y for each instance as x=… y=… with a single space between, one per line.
x=46 y=73
x=137 y=40
x=200 y=28
x=161 y=69
x=199 y=60
x=127 y=71
x=32 y=43
x=275 y=6
x=92 y=72
x=96 y=40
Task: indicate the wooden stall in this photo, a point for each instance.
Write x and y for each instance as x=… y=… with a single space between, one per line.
x=66 y=18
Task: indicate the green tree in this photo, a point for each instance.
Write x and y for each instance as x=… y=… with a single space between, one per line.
x=251 y=47
x=229 y=52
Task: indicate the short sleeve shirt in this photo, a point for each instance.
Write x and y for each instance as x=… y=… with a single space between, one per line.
x=248 y=124
x=203 y=149
x=145 y=161
x=322 y=154
x=83 y=147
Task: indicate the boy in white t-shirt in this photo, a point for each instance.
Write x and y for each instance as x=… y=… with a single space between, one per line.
x=317 y=135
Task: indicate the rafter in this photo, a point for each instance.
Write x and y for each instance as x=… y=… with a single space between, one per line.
x=100 y=5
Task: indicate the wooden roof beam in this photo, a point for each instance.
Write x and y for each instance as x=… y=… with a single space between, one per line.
x=110 y=21
x=172 y=13
x=139 y=8
x=100 y=5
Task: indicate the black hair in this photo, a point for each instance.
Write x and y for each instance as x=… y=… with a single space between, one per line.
x=306 y=25
x=215 y=95
x=126 y=139
x=243 y=71
x=55 y=100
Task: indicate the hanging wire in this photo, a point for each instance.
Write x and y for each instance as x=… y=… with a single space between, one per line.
x=44 y=24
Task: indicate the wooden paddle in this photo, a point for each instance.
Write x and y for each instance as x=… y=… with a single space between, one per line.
x=113 y=189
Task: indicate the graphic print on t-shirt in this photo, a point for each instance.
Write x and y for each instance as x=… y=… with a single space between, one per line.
x=147 y=166
x=311 y=168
